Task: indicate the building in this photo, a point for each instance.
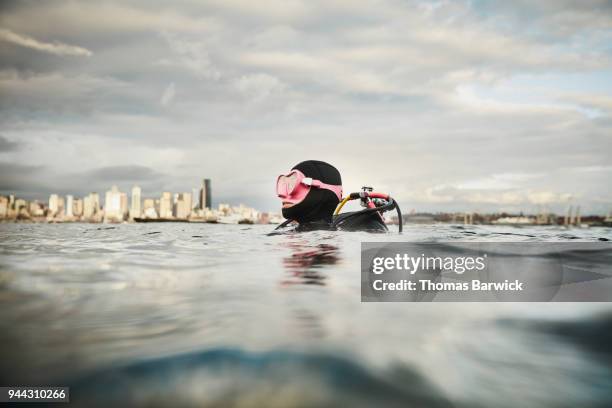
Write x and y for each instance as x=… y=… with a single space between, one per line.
x=112 y=205
x=91 y=205
x=4 y=201
x=96 y=201
x=224 y=209
x=69 y=205
x=60 y=206
x=148 y=208
x=183 y=205
x=36 y=209
x=124 y=206
x=205 y=195
x=19 y=204
x=56 y=205
x=77 y=209
x=165 y=205
x=53 y=205
x=135 y=209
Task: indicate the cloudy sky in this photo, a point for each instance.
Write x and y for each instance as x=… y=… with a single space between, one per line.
x=446 y=105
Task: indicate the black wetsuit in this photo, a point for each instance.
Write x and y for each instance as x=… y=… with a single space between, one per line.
x=370 y=222
x=353 y=221
x=315 y=211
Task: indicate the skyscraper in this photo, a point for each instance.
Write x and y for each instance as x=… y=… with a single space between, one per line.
x=135 y=208
x=95 y=197
x=69 y=205
x=112 y=205
x=205 y=195
x=3 y=206
x=183 y=205
x=148 y=208
x=60 y=206
x=88 y=209
x=53 y=204
x=124 y=205
x=165 y=205
x=78 y=207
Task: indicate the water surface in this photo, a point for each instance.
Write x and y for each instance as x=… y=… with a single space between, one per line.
x=223 y=315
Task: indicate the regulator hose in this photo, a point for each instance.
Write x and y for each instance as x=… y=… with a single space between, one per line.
x=399 y=216
x=283 y=224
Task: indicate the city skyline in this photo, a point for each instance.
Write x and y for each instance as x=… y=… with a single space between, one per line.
x=119 y=206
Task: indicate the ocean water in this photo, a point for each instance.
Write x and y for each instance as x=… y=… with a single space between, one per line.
x=225 y=316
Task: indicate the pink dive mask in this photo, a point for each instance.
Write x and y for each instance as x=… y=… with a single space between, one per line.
x=294 y=187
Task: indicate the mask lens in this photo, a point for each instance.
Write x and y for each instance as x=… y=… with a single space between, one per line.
x=286 y=184
x=291 y=181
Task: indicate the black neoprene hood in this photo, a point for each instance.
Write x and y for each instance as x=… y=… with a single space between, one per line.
x=319 y=204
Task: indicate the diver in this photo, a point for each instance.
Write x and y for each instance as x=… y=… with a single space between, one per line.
x=312 y=190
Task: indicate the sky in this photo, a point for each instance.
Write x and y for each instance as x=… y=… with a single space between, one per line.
x=446 y=105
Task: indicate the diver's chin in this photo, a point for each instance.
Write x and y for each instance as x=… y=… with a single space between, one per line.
x=287 y=204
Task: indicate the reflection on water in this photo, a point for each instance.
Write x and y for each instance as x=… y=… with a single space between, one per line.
x=307 y=263
x=304 y=263
x=187 y=314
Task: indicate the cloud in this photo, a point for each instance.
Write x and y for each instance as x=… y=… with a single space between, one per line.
x=191 y=55
x=60 y=94
x=259 y=86
x=502 y=181
x=597 y=105
x=56 y=48
x=15 y=177
x=168 y=95
x=126 y=173
x=547 y=197
x=474 y=198
x=7 y=145
x=593 y=169
x=447 y=105
x=104 y=19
